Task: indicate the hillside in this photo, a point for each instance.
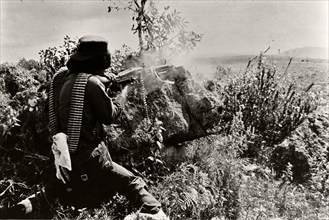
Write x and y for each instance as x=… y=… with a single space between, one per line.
x=198 y=145
x=303 y=70
x=307 y=52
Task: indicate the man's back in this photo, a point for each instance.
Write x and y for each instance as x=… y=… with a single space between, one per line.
x=98 y=108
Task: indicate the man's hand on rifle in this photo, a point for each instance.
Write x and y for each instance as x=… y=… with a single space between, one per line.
x=113 y=87
x=110 y=76
x=110 y=83
x=106 y=79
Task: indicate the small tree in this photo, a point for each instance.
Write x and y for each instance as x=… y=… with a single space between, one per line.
x=163 y=31
x=29 y=64
x=53 y=58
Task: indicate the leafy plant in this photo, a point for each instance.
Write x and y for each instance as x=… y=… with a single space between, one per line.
x=24 y=134
x=163 y=31
x=152 y=166
x=166 y=31
x=269 y=109
x=123 y=59
x=54 y=58
x=29 y=64
x=187 y=194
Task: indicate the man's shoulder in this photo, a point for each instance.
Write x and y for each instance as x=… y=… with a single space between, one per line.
x=94 y=82
x=60 y=74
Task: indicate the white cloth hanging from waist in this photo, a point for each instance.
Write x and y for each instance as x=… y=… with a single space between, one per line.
x=61 y=153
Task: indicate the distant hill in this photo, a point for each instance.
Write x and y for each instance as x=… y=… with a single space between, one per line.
x=222 y=59
x=307 y=52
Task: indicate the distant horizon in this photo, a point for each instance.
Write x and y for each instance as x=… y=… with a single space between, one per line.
x=268 y=52
x=228 y=27
x=213 y=55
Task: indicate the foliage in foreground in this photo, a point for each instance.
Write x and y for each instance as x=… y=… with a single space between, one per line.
x=215 y=182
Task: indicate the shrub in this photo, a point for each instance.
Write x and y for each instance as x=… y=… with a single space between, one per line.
x=188 y=193
x=269 y=109
x=207 y=185
x=54 y=58
x=29 y=64
x=9 y=117
x=306 y=149
x=123 y=59
x=16 y=79
x=23 y=125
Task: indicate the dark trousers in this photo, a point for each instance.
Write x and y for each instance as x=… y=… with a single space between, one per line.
x=101 y=182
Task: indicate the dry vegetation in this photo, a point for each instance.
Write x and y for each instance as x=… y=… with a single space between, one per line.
x=230 y=174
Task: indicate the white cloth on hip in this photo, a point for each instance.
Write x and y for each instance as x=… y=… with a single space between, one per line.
x=62 y=155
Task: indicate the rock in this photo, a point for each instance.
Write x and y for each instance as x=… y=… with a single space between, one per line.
x=186 y=109
x=199 y=148
x=306 y=148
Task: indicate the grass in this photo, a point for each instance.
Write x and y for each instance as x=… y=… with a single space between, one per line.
x=215 y=182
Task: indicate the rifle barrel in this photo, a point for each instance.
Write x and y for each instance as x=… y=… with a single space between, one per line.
x=129 y=75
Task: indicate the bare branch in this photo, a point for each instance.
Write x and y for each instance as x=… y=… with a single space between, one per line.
x=255 y=57
x=286 y=71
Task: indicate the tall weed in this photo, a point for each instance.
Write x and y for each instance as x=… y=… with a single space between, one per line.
x=270 y=109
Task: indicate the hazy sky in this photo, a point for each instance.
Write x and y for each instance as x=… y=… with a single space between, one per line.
x=229 y=27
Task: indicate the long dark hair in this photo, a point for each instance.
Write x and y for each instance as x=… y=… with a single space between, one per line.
x=95 y=63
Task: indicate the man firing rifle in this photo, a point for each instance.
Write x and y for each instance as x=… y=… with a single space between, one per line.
x=78 y=101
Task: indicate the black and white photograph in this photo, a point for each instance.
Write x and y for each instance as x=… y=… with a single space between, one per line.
x=164 y=109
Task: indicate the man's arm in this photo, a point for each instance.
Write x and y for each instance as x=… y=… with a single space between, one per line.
x=102 y=105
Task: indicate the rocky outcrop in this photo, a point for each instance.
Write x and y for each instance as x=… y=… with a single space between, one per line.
x=186 y=110
x=197 y=149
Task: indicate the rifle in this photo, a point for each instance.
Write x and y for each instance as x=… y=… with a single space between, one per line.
x=132 y=74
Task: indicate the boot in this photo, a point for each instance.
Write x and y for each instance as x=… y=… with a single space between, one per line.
x=160 y=215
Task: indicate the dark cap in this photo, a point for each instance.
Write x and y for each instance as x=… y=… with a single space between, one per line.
x=89 y=47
